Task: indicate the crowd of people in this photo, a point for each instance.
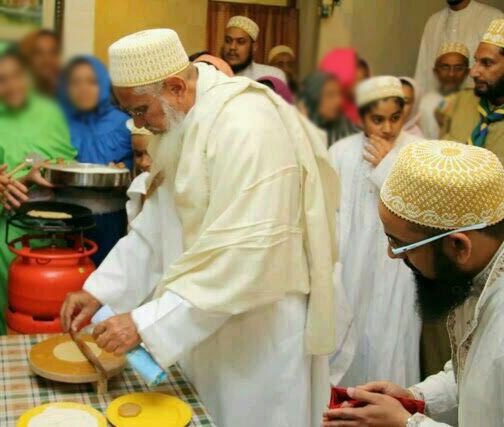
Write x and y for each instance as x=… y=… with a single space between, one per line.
x=250 y=245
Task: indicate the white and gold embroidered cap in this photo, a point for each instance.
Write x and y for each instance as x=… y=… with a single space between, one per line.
x=245 y=24
x=376 y=88
x=445 y=185
x=495 y=33
x=146 y=57
x=277 y=50
x=453 y=47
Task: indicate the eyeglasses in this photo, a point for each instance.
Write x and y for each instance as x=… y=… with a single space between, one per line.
x=410 y=247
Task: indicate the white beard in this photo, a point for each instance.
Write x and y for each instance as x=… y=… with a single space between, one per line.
x=166 y=151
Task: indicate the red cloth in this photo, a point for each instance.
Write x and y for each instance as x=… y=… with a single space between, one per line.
x=340 y=395
x=342 y=63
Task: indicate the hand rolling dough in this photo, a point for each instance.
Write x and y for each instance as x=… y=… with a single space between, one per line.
x=62 y=417
x=69 y=352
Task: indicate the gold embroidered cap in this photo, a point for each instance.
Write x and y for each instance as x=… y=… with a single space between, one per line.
x=277 y=50
x=376 y=88
x=495 y=33
x=445 y=185
x=453 y=47
x=146 y=57
x=245 y=24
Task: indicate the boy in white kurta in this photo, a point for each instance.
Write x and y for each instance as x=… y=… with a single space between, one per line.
x=240 y=291
x=380 y=291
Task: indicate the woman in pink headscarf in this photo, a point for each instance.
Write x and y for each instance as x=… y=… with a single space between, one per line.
x=342 y=63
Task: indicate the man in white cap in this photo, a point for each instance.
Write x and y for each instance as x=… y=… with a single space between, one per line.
x=386 y=327
x=477 y=117
x=450 y=71
x=241 y=292
x=464 y=21
x=442 y=208
x=284 y=58
x=240 y=46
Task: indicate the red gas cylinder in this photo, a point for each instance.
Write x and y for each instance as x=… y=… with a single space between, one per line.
x=40 y=278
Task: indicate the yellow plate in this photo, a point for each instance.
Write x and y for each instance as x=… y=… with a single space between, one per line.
x=27 y=416
x=158 y=409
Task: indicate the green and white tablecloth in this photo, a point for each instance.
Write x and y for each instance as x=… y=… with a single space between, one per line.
x=21 y=390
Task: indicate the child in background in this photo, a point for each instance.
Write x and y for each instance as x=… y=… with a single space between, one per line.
x=140 y=138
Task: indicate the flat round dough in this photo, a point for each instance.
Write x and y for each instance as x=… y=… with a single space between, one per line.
x=48 y=214
x=63 y=417
x=69 y=352
x=129 y=410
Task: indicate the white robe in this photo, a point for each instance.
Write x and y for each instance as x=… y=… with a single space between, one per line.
x=472 y=383
x=428 y=123
x=250 y=368
x=381 y=291
x=136 y=193
x=465 y=26
x=255 y=71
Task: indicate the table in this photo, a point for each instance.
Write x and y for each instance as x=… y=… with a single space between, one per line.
x=21 y=390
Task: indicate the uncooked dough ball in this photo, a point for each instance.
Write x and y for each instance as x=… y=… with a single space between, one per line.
x=129 y=410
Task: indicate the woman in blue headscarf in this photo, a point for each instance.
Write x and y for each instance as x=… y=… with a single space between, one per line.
x=98 y=132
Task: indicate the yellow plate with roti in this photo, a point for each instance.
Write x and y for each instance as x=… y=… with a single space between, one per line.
x=62 y=414
x=153 y=410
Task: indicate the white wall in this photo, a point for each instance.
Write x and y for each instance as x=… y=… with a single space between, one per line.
x=78 y=27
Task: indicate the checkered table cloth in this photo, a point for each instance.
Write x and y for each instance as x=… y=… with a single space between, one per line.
x=21 y=390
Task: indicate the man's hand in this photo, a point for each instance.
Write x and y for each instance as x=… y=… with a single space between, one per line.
x=381 y=411
x=78 y=308
x=388 y=388
x=35 y=176
x=117 y=335
x=376 y=149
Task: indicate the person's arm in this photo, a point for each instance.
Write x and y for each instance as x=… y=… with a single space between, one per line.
x=424 y=63
x=439 y=392
x=133 y=267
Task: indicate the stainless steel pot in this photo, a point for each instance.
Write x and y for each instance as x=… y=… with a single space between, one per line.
x=80 y=175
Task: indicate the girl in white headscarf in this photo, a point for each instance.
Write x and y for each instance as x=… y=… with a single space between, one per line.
x=412 y=98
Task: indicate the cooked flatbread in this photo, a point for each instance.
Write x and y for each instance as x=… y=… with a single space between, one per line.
x=48 y=214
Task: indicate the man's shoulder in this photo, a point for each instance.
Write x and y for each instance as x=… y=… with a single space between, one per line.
x=435 y=17
x=488 y=11
x=346 y=146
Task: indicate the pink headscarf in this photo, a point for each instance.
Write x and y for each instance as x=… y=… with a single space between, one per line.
x=279 y=87
x=218 y=63
x=342 y=63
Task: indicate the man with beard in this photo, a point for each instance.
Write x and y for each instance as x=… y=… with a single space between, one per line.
x=480 y=121
x=442 y=208
x=387 y=331
x=225 y=293
x=464 y=21
x=450 y=70
x=240 y=45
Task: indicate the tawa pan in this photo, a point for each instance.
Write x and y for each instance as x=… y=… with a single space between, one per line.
x=86 y=175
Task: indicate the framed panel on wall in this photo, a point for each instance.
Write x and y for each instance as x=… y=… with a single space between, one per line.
x=19 y=17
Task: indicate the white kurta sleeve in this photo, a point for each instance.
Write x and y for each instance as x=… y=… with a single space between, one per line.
x=127 y=275
x=170 y=326
x=439 y=391
x=380 y=172
x=424 y=66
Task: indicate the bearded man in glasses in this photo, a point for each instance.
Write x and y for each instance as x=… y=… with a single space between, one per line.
x=442 y=208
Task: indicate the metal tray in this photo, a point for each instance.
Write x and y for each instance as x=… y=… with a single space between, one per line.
x=59 y=177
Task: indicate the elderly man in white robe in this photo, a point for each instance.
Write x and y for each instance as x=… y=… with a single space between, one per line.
x=442 y=208
x=386 y=327
x=463 y=21
x=239 y=292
